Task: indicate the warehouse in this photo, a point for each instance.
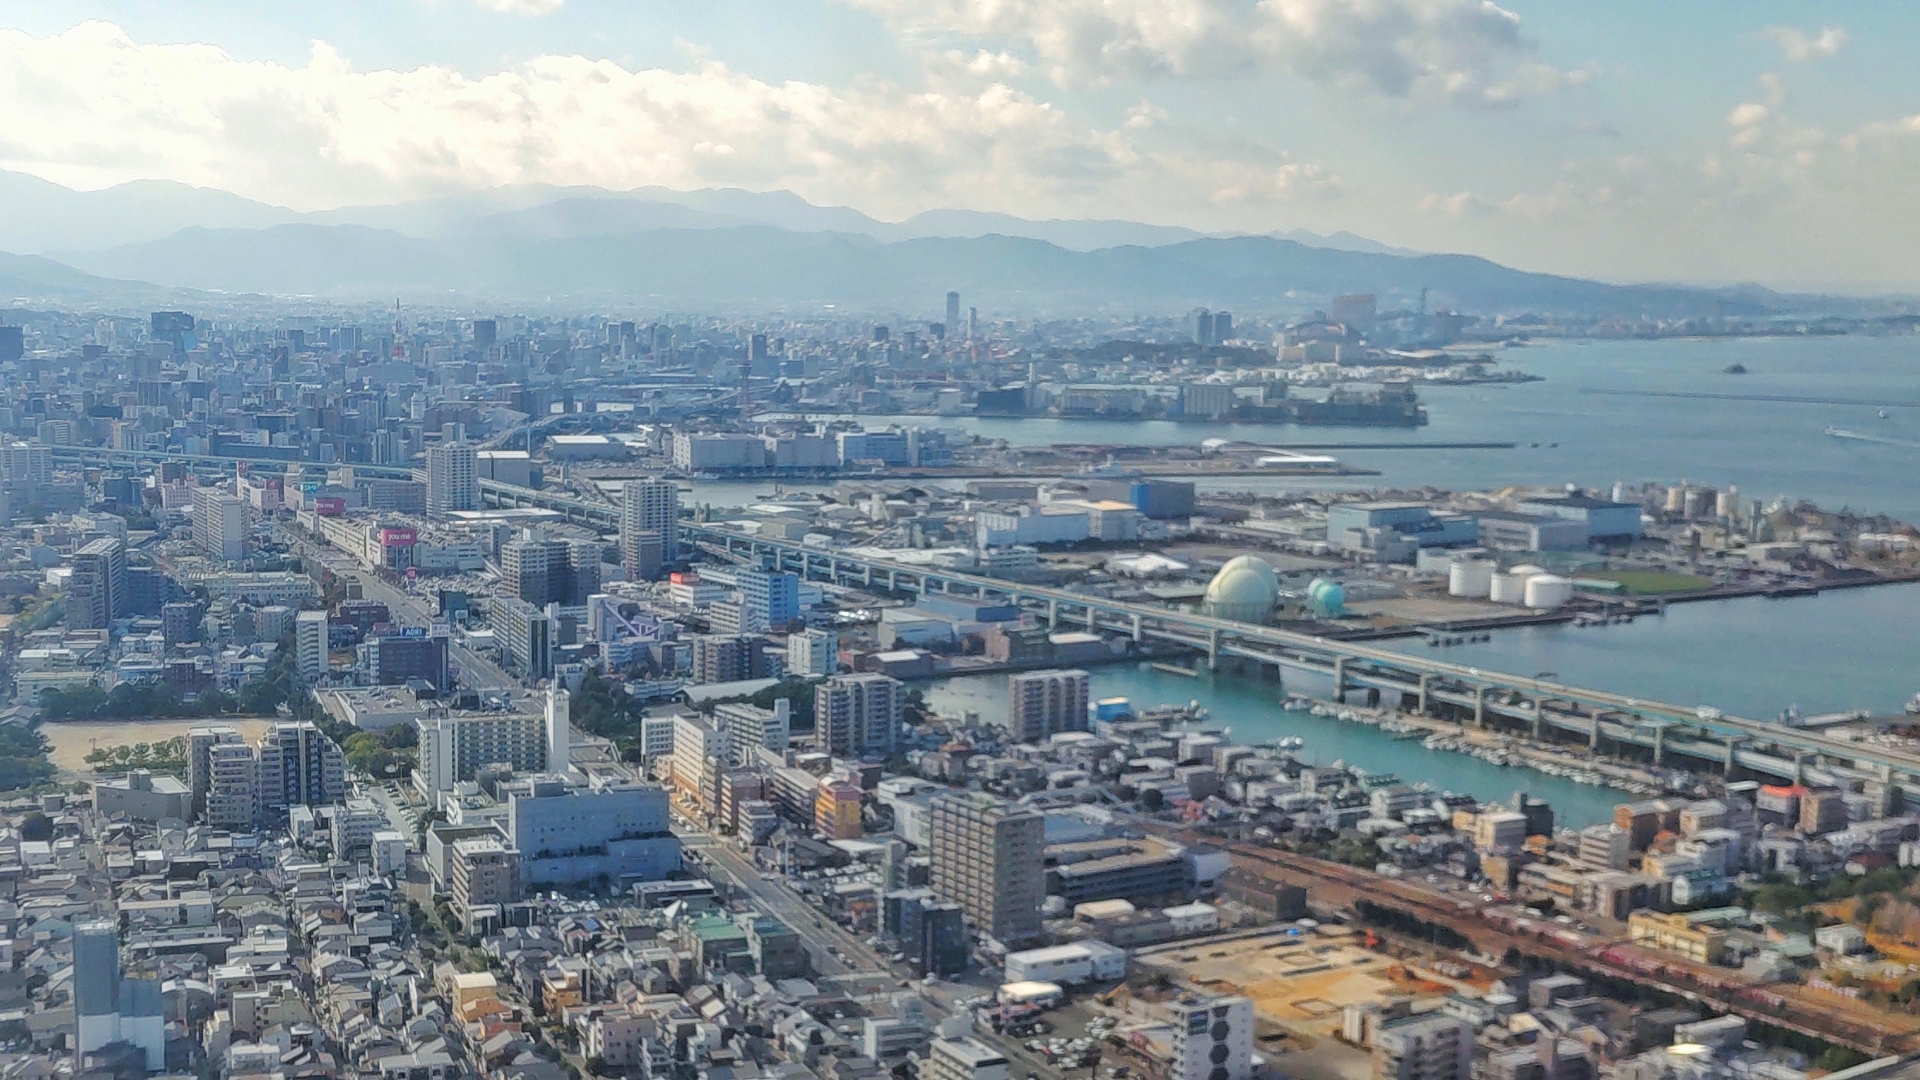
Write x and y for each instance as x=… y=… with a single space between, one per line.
x=1068 y=965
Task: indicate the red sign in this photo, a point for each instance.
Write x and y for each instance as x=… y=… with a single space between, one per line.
x=331 y=506
x=397 y=537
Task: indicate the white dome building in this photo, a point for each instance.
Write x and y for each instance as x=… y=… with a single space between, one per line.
x=1244 y=590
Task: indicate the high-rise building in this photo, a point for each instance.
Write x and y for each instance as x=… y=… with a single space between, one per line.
x=750 y=728
x=648 y=507
x=26 y=465
x=1222 y=327
x=728 y=657
x=1202 y=322
x=953 y=312
x=180 y=622
x=988 y=857
x=1044 y=703
x=559 y=730
x=769 y=599
x=453 y=482
x=812 y=653
x=310 y=644
x=232 y=799
x=300 y=766
x=220 y=523
x=109 y=1006
x=535 y=568
x=453 y=746
x=97 y=592
x=583 y=571
x=531 y=636
x=699 y=758
x=482 y=873
x=858 y=715
x=200 y=744
x=615 y=831
x=1212 y=1038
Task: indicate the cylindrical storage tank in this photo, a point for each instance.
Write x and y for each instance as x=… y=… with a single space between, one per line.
x=1619 y=491
x=1507 y=589
x=1470 y=578
x=1545 y=592
x=1527 y=570
x=1725 y=504
x=1676 y=499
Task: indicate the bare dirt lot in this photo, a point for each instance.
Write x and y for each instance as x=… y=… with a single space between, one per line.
x=72 y=741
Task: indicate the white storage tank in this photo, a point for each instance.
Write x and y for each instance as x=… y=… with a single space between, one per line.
x=1470 y=577
x=1545 y=592
x=1507 y=589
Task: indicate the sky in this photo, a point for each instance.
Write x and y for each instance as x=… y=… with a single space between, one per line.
x=1702 y=142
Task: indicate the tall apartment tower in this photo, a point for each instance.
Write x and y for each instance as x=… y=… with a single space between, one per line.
x=648 y=506
x=559 y=729
x=310 y=643
x=988 y=857
x=109 y=1006
x=232 y=799
x=583 y=571
x=453 y=482
x=200 y=745
x=220 y=523
x=97 y=593
x=535 y=568
x=300 y=766
x=953 y=313
x=857 y=715
x=1044 y=703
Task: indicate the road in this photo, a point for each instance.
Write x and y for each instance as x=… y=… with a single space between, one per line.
x=476 y=671
x=814 y=928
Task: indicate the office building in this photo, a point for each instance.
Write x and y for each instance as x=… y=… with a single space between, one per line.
x=952 y=314
x=300 y=766
x=648 y=508
x=769 y=600
x=812 y=653
x=858 y=715
x=1213 y=1038
x=454 y=745
x=453 y=479
x=1041 y=704
x=1431 y=1046
x=483 y=873
x=528 y=637
x=220 y=523
x=616 y=832
x=310 y=643
x=988 y=857
x=412 y=653
x=97 y=591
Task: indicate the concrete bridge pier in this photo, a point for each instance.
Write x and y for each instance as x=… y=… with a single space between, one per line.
x=1213 y=650
x=1539 y=717
x=1053 y=614
x=1340 y=678
x=1136 y=628
x=1733 y=747
x=1480 y=706
x=1424 y=682
x=1660 y=745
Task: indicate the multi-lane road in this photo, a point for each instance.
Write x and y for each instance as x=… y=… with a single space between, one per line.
x=837 y=953
x=476 y=671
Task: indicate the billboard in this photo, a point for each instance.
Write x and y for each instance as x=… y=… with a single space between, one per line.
x=397 y=537
x=331 y=506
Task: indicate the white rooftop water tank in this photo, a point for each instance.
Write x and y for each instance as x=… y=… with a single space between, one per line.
x=1507 y=589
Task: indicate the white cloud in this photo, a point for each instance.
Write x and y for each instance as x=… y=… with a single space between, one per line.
x=1748 y=114
x=91 y=107
x=1470 y=52
x=1797 y=45
x=522 y=7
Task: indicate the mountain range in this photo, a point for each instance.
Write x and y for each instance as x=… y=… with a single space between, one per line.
x=659 y=247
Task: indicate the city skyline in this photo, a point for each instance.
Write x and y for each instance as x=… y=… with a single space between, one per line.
x=1705 y=144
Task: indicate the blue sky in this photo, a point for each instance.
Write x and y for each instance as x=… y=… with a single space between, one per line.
x=1628 y=140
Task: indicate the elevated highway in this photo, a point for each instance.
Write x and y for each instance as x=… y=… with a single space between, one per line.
x=1671 y=733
